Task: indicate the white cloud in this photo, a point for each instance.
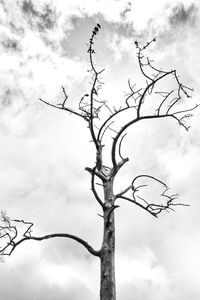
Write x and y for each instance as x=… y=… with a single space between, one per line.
x=142 y=266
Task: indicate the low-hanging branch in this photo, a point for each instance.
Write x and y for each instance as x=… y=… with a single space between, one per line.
x=9 y=234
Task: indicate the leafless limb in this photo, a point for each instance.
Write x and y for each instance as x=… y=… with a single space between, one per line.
x=10 y=239
x=120 y=145
x=166 y=96
x=123 y=192
x=152 y=208
x=133 y=94
x=170 y=98
x=63 y=107
x=93 y=188
x=105 y=129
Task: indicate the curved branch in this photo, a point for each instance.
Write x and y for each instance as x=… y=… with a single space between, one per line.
x=127 y=125
x=147 y=176
x=108 y=119
x=9 y=231
x=165 y=98
x=128 y=106
x=99 y=138
x=94 y=189
x=94 y=173
x=54 y=235
x=6 y=232
x=120 y=145
x=150 y=85
x=153 y=208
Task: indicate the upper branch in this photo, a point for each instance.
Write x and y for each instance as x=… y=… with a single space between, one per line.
x=64 y=107
x=127 y=125
x=96 y=85
x=165 y=108
x=140 y=57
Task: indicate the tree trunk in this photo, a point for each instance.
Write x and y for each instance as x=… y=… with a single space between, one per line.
x=108 y=289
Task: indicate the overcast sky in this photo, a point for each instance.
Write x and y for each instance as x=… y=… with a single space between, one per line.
x=43 y=152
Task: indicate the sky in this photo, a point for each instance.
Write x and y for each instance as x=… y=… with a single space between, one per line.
x=44 y=151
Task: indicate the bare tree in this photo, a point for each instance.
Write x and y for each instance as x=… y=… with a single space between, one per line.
x=101 y=119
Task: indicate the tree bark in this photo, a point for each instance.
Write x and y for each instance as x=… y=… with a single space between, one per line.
x=107 y=257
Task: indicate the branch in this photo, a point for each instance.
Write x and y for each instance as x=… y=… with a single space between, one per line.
x=137 y=203
x=152 y=208
x=63 y=107
x=127 y=125
x=132 y=93
x=118 y=166
x=27 y=236
x=186 y=110
x=150 y=86
x=150 y=117
x=93 y=172
x=147 y=176
x=123 y=192
x=120 y=145
x=165 y=98
x=104 y=125
x=94 y=112
x=141 y=57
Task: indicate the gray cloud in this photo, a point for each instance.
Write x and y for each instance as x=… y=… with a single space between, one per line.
x=48 y=18
x=173 y=23
x=7 y=98
x=30 y=284
x=126 y=10
x=181 y=15
x=75 y=39
x=11 y=44
x=12 y=98
x=28 y=8
x=42 y=20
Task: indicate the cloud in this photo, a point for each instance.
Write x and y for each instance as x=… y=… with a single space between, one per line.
x=10 y=44
x=126 y=10
x=173 y=23
x=181 y=15
x=18 y=282
x=147 y=278
x=43 y=20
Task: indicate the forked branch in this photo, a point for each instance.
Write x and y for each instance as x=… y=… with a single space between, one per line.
x=152 y=208
x=63 y=106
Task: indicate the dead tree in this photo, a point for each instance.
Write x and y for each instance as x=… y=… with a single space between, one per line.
x=101 y=119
